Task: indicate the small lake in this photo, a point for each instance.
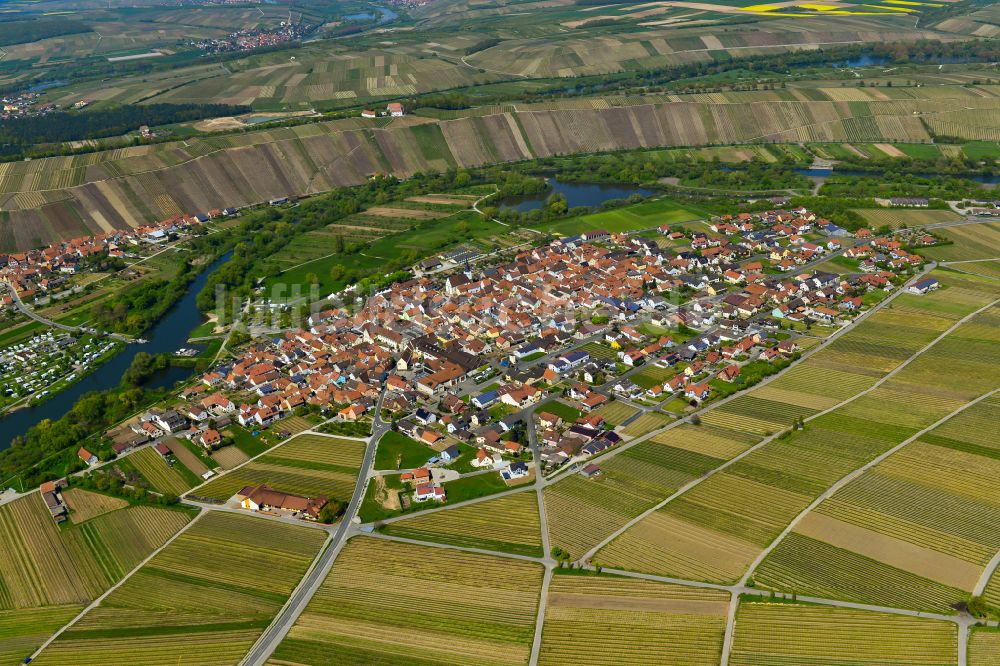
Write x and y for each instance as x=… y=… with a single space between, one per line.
x=385 y=15
x=577 y=194
x=167 y=336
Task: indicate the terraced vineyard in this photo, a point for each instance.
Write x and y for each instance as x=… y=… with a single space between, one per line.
x=770 y=633
x=607 y=620
x=63 y=197
x=203 y=599
x=510 y=524
x=307 y=465
x=374 y=607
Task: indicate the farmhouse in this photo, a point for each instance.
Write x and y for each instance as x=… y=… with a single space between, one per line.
x=53 y=499
x=265 y=498
x=924 y=286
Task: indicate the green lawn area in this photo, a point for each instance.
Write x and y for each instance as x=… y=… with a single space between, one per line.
x=15 y=334
x=640 y=216
x=204 y=329
x=246 y=442
x=840 y=264
x=395 y=447
x=471 y=487
x=920 y=151
x=979 y=150
x=385 y=254
x=534 y=357
x=500 y=410
x=874 y=297
x=676 y=405
x=652 y=375
x=560 y=409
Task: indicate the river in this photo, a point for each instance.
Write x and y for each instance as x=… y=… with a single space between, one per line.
x=815 y=172
x=577 y=194
x=167 y=336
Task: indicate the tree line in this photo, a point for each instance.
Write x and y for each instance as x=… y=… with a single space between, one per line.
x=63 y=126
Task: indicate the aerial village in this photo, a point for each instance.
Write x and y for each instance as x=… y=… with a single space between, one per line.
x=537 y=363
x=522 y=367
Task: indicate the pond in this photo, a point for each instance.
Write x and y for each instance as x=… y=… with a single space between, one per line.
x=386 y=15
x=577 y=194
x=167 y=336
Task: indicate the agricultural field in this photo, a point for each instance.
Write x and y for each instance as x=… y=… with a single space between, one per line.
x=895 y=217
x=642 y=216
x=307 y=465
x=393 y=602
x=582 y=512
x=984 y=647
x=43 y=565
x=611 y=620
x=715 y=530
x=916 y=530
x=24 y=629
x=84 y=505
x=968 y=242
x=615 y=413
x=509 y=524
x=160 y=475
x=646 y=424
x=229 y=457
x=769 y=633
x=203 y=599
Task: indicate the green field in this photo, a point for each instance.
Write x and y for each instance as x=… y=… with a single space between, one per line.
x=397 y=451
x=631 y=218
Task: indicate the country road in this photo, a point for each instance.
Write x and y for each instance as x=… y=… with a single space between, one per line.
x=24 y=309
x=300 y=598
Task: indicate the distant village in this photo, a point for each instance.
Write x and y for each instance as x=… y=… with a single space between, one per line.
x=43 y=270
x=254 y=38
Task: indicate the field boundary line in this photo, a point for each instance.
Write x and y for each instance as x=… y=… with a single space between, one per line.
x=96 y=602
x=826 y=494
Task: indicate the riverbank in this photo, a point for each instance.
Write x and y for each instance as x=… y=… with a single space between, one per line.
x=166 y=336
